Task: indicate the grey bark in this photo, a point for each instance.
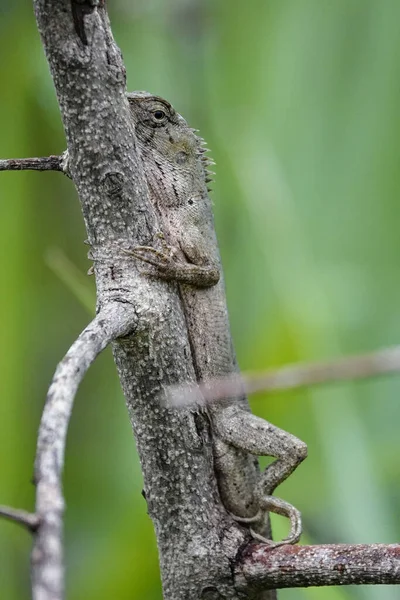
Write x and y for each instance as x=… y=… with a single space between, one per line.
x=196 y=538
x=45 y=163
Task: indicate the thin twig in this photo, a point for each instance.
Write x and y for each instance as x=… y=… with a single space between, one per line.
x=47 y=554
x=261 y=567
x=45 y=163
x=30 y=520
x=363 y=366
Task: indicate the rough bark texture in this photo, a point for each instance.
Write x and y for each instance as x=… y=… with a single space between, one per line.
x=46 y=163
x=197 y=540
x=304 y=566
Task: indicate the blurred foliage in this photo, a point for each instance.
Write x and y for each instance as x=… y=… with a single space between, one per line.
x=299 y=102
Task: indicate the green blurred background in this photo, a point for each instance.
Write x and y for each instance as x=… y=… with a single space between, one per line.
x=299 y=101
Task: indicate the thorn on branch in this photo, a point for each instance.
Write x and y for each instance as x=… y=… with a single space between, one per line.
x=30 y=520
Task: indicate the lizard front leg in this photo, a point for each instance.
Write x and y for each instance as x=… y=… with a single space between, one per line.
x=249 y=433
x=168 y=266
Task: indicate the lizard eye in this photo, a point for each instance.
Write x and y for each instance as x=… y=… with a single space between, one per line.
x=159 y=115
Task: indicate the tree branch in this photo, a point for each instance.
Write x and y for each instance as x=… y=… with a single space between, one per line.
x=363 y=366
x=30 y=520
x=45 y=163
x=305 y=566
x=47 y=553
x=196 y=538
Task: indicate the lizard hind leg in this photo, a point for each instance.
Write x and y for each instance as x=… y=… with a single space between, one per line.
x=256 y=436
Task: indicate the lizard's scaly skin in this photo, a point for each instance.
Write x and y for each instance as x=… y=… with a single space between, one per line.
x=177 y=173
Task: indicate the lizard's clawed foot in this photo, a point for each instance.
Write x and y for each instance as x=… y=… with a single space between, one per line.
x=280 y=507
x=167 y=265
x=163 y=260
x=157 y=258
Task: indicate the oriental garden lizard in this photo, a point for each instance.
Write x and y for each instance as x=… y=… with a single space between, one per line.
x=177 y=173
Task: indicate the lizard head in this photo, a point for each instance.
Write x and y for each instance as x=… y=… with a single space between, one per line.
x=165 y=133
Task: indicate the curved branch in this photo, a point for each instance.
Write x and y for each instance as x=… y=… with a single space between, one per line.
x=47 y=555
x=261 y=567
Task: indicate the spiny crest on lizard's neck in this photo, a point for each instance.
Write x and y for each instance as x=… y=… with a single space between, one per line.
x=164 y=133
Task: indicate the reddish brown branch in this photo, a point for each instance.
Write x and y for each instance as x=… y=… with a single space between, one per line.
x=260 y=567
